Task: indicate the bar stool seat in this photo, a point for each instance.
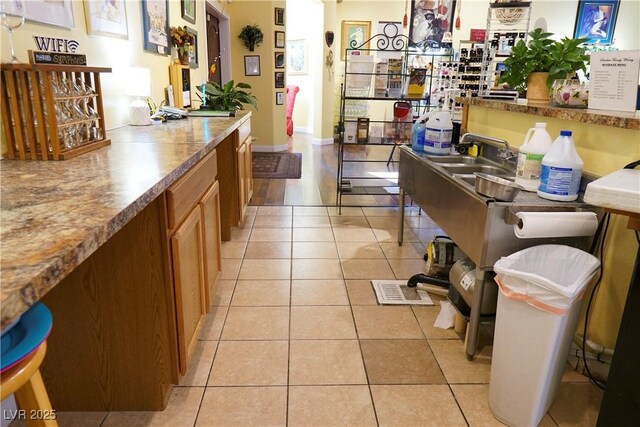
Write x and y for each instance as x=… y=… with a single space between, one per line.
x=23 y=349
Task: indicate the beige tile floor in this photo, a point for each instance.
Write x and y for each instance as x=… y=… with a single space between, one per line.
x=296 y=337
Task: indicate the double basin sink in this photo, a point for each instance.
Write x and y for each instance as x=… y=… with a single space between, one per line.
x=463 y=167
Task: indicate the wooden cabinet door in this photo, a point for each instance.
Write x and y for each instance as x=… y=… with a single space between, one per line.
x=210 y=208
x=249 y=169
x=242 y=180
x=187 y=251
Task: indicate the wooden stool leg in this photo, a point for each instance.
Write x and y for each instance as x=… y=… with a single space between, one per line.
x=33 y=398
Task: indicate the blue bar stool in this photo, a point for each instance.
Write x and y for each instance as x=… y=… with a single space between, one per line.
x=23 y=347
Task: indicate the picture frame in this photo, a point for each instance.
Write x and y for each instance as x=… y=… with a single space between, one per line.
x=596 y=20
x=59 y=13
x=188 y=9
x=108 y=21
x=279 y=98
x=428 y=25
x=279 y=77
x=279 y=16
x=279 y=39
x=297 y=57
x=252 y=65
x=278 y=58
x=354 y=34
x=155 y=26
x=192 y=54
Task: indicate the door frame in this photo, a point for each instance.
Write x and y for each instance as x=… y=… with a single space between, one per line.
x=225 y=40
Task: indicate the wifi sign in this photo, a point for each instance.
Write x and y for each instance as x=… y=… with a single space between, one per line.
x=51 y=44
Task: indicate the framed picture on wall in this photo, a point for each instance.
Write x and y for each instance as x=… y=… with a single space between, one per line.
x=106 y=20
x=155 y=26
x=279 y=39
x=279 y=59
x=279 y=98
x=430 y=20
x=596 y=20
x=192 y=53
x=58 y=13
x=297 y=57
x=279 y=19
x=279 y=75
x=189 y=10
x=354 y=34
x=252 y=65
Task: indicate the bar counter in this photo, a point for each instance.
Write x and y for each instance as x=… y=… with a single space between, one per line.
x=55 y=214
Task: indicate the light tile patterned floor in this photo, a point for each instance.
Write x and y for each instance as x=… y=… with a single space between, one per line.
x=296 y=337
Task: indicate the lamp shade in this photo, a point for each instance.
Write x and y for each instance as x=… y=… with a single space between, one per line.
x=138 y=82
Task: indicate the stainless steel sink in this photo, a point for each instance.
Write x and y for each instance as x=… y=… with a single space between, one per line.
x=469 y=179
x=470 y=169
x=464 y=160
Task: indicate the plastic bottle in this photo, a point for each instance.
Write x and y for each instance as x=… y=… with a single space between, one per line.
x=439 y=129
x=417 y=137
x=561 y=170
x=536 y=144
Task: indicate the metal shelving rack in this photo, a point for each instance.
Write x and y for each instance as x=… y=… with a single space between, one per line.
x=351 y=181
x=507 y=23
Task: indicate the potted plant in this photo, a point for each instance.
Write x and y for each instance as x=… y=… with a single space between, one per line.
x=251 y=36
x=225 y=97
x=534 y=66
x=183 y=41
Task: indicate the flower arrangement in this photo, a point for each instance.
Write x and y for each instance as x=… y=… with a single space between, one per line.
x=182 y=39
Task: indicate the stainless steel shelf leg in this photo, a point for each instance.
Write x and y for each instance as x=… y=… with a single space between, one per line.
x=474 y=319
x=401 y=216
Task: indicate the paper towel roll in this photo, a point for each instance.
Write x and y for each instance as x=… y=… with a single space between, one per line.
x=533 y=225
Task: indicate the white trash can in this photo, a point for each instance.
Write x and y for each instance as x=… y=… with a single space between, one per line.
x=540 y=297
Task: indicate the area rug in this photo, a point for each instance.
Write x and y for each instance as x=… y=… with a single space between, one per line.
x=277 y=165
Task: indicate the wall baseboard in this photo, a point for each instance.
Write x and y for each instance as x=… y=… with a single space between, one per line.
x=269 y=148
x=301 y=129
x=322 y=141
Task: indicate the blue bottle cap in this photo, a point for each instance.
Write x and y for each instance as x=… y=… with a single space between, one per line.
x=565 y=133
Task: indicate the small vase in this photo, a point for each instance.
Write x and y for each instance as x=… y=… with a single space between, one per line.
x=537 y=90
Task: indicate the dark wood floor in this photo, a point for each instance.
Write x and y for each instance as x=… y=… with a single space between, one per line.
x=317 y=186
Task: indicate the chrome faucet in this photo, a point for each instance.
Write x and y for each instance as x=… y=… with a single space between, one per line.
x=504 y=151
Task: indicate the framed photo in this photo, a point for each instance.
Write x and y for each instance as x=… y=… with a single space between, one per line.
x=106 y=18
x=279 y=39
x=155 y=26
x=58 y=13
x=192 y=53
x=596 y=20
x=279 y=59
x=279 y=98
x=279 y=20
x=354 y=34
x=297 y=57
x=189 y=10
x=430 y=20
x=279 y=79
x=252 y=65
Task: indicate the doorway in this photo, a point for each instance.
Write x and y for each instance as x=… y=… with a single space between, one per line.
x=213 y=46
x=218 y=44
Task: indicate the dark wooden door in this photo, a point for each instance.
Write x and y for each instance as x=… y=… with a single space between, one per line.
x=213 y=45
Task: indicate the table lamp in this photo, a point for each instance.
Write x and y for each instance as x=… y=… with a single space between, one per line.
x=139 y=85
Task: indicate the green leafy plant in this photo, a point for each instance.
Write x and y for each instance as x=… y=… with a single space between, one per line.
x=251 y=35
x=541 y=54
x=226 y=97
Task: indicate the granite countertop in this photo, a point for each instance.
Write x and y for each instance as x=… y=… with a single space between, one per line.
x=54 y=214
x=619 y=119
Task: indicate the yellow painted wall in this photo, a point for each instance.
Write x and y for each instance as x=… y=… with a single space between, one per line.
x=268 y=123
x=116 y=53
x=603 y=149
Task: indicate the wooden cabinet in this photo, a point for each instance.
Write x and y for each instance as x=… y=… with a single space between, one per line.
x=242 y=179
x=244 y=167
x=249 y=168
x=193 y=228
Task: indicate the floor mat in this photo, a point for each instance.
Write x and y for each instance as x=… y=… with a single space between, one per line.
x=398 y=293
x=277 y=165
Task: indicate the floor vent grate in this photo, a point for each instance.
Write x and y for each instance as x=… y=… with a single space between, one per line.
x=397 y=292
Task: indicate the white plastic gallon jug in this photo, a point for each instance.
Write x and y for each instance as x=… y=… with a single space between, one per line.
x=537 y=142
x=439 y=129
x=561 y=170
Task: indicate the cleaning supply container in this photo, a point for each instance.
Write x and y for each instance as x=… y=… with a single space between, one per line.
x=536 y=144
x=417 y=137
x=439 y=130
x=540 y=297
x=561 y=170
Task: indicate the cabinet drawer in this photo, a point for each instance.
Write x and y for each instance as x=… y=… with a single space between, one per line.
x=184 y=194
x=243 y=132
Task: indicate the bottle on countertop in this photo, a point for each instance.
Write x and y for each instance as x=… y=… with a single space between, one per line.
x=537 y=142
x=561 y=170
x=439 y=130
x=418 y=134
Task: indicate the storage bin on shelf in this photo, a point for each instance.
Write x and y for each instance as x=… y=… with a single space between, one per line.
x=52 y=112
